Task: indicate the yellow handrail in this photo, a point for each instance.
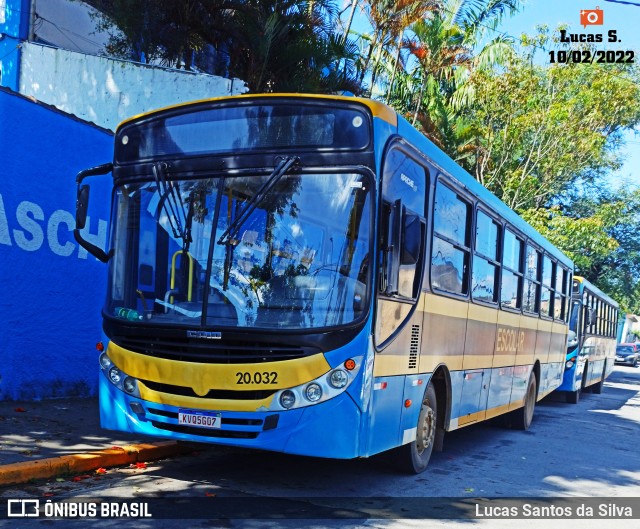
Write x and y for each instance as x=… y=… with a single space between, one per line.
x=173 y=273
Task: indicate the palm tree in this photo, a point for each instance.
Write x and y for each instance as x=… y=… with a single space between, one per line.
x=292 y=45
x=389 y=19
x=433 y=93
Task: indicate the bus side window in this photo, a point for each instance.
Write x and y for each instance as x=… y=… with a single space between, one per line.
x=547 y=289
x=486 y=267
x=404 y=197
x=559 y=305
x=511 y=287
x=450 y=252
x=532 y=280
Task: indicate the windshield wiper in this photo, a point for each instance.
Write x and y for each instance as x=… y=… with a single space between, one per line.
x=234 y=227
x=170 y=194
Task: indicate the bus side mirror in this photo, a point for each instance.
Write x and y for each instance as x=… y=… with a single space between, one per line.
x=82 y=205
x=406 y=233
x=411 y=238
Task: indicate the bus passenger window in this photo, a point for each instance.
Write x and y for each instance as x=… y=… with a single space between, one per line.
x=511 y=271
x=450 y=251
x=559 y=302
x=485 y=272
x=547 y=294
x=532 y=280
x=404 y=182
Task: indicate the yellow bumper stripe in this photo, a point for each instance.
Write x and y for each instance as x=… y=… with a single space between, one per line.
x=203 y=377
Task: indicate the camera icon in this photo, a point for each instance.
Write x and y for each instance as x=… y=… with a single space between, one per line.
x=592 y=17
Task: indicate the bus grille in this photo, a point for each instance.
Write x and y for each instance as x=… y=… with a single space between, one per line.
x=193 y=350
x=204 y=432
x=213 y=394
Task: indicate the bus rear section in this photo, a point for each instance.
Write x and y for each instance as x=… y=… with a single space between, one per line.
x=591 y=343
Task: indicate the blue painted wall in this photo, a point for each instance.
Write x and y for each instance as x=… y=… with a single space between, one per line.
x=51 y=291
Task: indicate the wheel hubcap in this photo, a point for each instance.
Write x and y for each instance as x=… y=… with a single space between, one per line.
x=427 y=428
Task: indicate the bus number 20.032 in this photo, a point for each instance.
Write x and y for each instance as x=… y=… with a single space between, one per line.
x=266 y=377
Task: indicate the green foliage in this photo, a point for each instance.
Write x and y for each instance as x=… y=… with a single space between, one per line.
x=543 y=130
x=273 y=45
x=585 y=240
x=602 y=236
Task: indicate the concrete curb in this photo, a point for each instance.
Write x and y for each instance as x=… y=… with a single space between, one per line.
x=110 y=457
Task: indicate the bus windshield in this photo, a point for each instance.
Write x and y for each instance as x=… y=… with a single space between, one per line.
x=221 y=252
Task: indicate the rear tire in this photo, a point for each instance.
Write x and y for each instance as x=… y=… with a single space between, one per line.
x=597 y=387
x=521 y=418
x=574 y=396
x=413 y=457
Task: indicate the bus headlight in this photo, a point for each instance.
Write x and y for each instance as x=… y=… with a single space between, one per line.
x=129 y=384
x=287 y=399
x=114 y=375
x=338 y=378
x=105 y=363
x=569 y=363
x=117 y=377
x=313 y=392
x=323 y=388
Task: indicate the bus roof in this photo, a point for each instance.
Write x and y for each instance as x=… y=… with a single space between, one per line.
x=584 y=283
x=379 y=110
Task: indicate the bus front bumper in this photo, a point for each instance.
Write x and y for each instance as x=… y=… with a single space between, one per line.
x=572 y=378
x=329 y=429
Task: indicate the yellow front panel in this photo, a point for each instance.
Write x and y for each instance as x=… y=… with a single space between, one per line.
x=204 y=377
x=182 y=401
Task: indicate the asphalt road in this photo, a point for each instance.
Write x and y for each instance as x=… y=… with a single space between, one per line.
x=591 y=449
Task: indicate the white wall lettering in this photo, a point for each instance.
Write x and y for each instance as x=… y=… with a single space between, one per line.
x=57 y=218
x=5 y=238
x=28 y=233
x=27 y=214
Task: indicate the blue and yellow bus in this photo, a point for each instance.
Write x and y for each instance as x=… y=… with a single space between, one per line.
x=591 y=343
x=311 y=275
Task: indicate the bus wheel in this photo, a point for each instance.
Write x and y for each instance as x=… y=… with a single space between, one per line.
x=597 y=387
x=522 y=417
x=574 y=396
x=414 y=457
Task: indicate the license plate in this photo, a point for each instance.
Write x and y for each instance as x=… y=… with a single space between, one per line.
x=201 y=419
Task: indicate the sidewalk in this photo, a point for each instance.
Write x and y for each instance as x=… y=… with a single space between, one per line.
x=51 y=437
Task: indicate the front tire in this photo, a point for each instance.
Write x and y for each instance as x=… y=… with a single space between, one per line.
x=522 y=417
x=413 y=457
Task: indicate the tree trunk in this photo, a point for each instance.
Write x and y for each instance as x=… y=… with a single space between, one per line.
x=354 y=4
x=415 y=115
x=395 y=65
